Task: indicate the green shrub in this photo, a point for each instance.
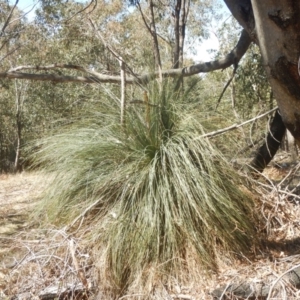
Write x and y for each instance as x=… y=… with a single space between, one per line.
x=158 y=188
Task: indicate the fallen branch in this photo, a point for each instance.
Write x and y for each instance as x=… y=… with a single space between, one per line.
x=235 y=126
x=76 y=265
x=257 y=290
x=290 y=272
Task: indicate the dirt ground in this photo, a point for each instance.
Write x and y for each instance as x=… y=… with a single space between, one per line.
x=35 y=262
x=18 y=194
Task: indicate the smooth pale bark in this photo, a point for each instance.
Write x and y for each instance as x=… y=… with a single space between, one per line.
x=291 y=146
x=278 y=33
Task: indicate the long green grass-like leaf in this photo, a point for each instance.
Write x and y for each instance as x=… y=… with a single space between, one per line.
x=167 y=190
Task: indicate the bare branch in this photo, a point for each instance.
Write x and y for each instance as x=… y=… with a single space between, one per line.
x=9 y=53
x=61 y=79
x=49 y=67
x=232 y=58
x=84 y=9
x=227 y=85
x=235 y=126
x=143 y=18
x=243 y=13
x=110 y=49
x=95 y=78
x=8 y=18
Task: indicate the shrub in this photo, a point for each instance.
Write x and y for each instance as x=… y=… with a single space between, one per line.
x=156 y=187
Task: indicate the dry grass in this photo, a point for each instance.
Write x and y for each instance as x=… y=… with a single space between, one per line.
x=63 y=261
x=18 y=195
x=53 y=264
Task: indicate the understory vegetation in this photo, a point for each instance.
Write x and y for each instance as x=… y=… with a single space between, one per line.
x=144 y=172
x=155 y=186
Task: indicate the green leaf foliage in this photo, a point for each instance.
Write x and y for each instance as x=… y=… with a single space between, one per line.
x=159 y=188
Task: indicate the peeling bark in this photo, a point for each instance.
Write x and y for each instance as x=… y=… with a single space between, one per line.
x=277 y=32
x=278 y=24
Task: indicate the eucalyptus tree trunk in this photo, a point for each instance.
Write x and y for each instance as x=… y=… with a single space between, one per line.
x=155 y=40
x=275 y=26
x=267 y=151
x=19 y=128
x=278 y=33
x=181 y=10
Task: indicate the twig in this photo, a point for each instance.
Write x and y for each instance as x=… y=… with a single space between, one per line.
x=76 y=265
x=277 y=280
x=143 y=103
x=82 y=215
x=9 y=53
x=123 y=91
x=182 y=296
x=289 y=173
x=6 y=23
x=234 y=126
x=224 y=292
x=227 y=85
x=249 y=146
x=82 y=10
x=133 y=295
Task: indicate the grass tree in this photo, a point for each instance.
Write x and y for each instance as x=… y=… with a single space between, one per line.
x=156 y=188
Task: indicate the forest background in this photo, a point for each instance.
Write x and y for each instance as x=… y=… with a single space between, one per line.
x=30 y=109
x=141 y=143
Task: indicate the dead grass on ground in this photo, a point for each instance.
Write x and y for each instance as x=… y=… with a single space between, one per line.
x=53 y=264
x=62 y=263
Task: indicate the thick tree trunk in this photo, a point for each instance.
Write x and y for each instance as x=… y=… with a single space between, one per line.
x=267 y=151
x=277 y=24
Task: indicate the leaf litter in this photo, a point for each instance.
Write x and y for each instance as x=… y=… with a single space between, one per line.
x=59 y=263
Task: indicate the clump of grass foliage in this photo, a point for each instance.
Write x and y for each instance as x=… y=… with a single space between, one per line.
x=159 y=187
